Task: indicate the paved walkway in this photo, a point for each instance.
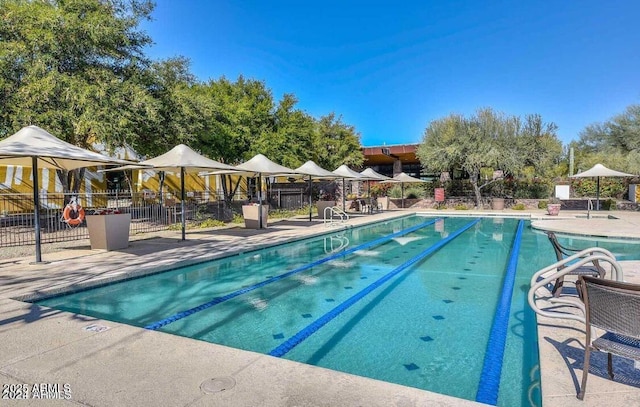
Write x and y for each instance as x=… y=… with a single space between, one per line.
x=111 y=364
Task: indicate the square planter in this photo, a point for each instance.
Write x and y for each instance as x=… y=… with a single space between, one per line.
x=322 y=205
x=109 y=232
x=250 y=215
x=497 y=204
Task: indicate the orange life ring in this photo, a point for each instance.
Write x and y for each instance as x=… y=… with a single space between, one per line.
x=66 y=215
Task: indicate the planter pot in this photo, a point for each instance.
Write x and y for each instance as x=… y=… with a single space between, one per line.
x=553 y=209
x=322 y=205
x=109 y=232
x=250 y=214
x=497 y=204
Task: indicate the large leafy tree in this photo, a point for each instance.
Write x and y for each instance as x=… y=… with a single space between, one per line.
x=74 y=67
x=488 y=140
x=290 y=140
x=614 y=143
x=335 y=143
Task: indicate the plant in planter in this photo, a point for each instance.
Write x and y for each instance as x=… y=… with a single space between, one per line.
x=553 y=206
x=326 y=198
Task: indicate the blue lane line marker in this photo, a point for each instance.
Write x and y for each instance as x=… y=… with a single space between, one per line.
x=159 y=324
x=492 y=367
x=296 y=339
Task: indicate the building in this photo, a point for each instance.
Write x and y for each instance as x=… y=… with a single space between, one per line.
x=391 y=160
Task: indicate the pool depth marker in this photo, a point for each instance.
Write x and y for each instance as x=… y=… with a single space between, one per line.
x=296 y=339
x=492 y=367
x=218 y=300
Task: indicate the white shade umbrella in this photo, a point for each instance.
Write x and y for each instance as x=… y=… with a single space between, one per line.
x=372 y=176
x=180 y=158
x=369 y=172
x=313 y=170
x=261 y=165
x=345 y=172
x=598 y=171
x=36 y=148
x=402 y=178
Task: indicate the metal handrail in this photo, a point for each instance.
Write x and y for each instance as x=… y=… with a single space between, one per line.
x=329 y=213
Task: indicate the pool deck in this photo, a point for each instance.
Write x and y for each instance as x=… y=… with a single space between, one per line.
x=112 y=364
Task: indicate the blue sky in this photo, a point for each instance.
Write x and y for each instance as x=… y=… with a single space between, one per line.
x=390 y=68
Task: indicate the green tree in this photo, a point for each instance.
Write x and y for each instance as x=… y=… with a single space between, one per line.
x=74 y=68
x=488 y=140
x=614 y=143
x=335 y=143
x=290 y=140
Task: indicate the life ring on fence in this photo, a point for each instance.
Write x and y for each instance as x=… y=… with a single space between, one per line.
x=69 y=211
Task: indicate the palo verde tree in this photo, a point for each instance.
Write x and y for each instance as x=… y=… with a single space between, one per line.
x=487 y=140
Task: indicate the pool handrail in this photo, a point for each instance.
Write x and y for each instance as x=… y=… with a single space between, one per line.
x=329 y=213
x=586 y=256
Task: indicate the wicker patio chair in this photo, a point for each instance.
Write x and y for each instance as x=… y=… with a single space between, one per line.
x=614 y=307
x=595 y=270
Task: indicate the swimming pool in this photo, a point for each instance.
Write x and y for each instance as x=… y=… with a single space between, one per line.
x=426 y=326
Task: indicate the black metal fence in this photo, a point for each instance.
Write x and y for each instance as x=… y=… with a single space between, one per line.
x=149 y=211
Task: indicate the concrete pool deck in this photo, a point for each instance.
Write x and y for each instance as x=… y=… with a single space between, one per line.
x=112 y=364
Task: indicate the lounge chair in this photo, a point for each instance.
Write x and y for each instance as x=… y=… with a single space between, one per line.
x=614 y=307
x=595 y=269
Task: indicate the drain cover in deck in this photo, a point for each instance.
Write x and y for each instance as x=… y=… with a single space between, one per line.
x=218 y=384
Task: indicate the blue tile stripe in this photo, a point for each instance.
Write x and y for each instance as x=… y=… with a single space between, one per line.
x=159 y=324
x=492 y=367
x=295 y=340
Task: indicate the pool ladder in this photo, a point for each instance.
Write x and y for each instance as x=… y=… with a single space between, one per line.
x=334 y=216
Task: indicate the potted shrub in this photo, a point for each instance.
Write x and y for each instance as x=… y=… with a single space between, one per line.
x=326 y=199
x=553 y=206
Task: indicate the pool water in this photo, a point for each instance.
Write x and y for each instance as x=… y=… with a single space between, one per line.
x=426 y=326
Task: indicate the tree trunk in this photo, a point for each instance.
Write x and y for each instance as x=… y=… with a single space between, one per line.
x=473 y=177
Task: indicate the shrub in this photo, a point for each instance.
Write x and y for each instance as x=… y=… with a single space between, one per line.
x=211 y=223
x=608 y=204
x=414 y=193
x=460 y=207
x=237 y=218
x=519 y=206
x=542 y=204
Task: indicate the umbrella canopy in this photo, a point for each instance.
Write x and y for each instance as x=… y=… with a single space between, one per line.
x=180 y=158
x=598 y=171
x=36 y=148
x=260 y=164
x=313 y=170
x=402 y=178
x=50 y=152
x=369 y=172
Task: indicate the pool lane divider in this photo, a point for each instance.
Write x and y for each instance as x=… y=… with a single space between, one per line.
x=489 y=386
x=159 y=324
x=310 y=329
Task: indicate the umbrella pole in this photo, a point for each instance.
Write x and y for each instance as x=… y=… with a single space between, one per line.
x=344 y=199
x=36 y=209
x=597 y=193
x=402 y=192
x=259 y=200
x=182 y=201
x=310 y=198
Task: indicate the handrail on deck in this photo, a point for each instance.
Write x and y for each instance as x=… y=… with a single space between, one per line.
x=334 y=215
x=541 y=279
